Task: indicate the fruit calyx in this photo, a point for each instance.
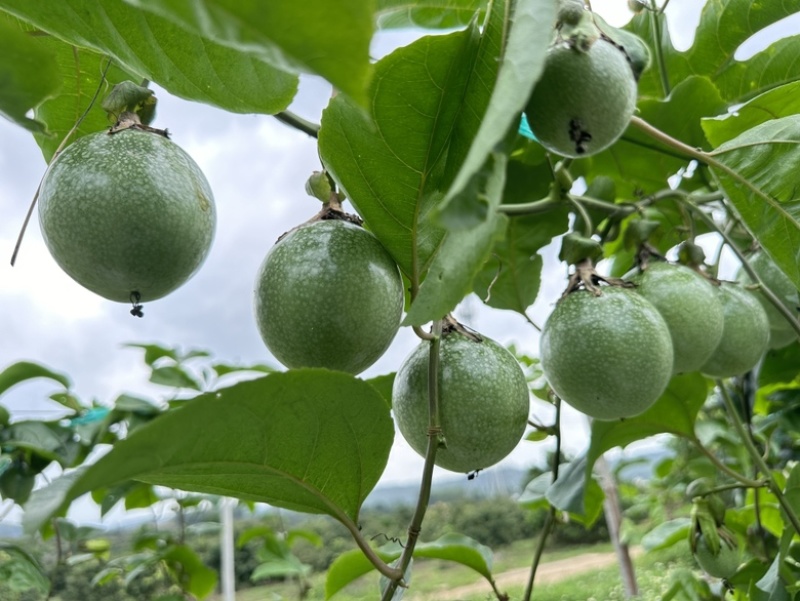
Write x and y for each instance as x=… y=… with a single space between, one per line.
x=586 y=277
x=129 y=120
x=450 y=324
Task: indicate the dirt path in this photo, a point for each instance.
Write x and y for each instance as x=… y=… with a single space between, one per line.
x=551 y=571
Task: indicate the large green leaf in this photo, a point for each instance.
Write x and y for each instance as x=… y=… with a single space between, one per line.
x=28 y=75
x=577 y=492
x=431 y=14
x=27 y=370
x=450 y=547
x=774 y=104
x=724 y=26
x=328 y=38
x=391 y=164
x=674 y=413
x=450 y=276
x=156 y=49
x=195 y=576
x=637 y=163
x=510 y=60
x=309 y=440
x=760 y=179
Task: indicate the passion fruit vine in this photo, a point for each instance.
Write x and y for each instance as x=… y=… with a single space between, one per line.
x=483 y=401
x=127 y=214
x=328 y=295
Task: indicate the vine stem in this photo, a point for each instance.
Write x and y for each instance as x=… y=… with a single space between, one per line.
x=298 y=123
x=743 y=480
x=756 y=456
x=763 y=288
x=662 y=65
x=434 y=439
x=551 y=515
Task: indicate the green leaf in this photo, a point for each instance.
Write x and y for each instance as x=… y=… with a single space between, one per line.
x=308 y=440
x=48 y=440
x=510 y=60
x=192 y=574
x=780 y=365
x=279 y=568
x=26 y=370
x=463 y=253
x=392 y=165
x=431 y=14
x=330 y=39
x=774 y=104
x=156 y=49
x=639 y=164
x=724 y=26
x=154 y=352
x=454 y=547
x=20 y=571
x=383 y=384
x=534 y=495
x=28 y=75
x=674 y=413
x=667 y=534
x=760 y=179
x=577 y=492
x=174 y=376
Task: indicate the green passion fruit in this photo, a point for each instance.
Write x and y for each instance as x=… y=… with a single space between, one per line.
x=607 y=355
x=584 y=99
x=328 y=295
x=128 y=215
x=781 y=333
x=745 y=333
x=483 y=401
x=690 y=307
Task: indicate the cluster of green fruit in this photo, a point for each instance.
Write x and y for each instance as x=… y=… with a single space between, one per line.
x=610 y=352
x=127 y=214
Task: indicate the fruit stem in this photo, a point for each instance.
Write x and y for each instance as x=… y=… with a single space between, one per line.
x=551 y=515
x=434 y=440
x=731 y=486
x=756 y=456
x=297 y=122
x=588 y=226
x=763 y=288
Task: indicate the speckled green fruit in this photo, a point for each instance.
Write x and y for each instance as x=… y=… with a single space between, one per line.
x=690 y=307
x=722 y=565
x=745 y=333
x=127 y=213
x=483 y=402
x=609 y=356
x=584 y=99
x=780 y=332
x=328 y=295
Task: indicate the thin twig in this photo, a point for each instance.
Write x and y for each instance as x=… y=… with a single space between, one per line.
x=551 y=515
x=55 y=155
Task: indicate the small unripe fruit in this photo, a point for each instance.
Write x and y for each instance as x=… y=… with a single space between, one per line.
x=328 y=295
x=483 y=402
x=609 y=356
x=584 y=99
x=691 y=308
x=745 y=333
x=128 y=215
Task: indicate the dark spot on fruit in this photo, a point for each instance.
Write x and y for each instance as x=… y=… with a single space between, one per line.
x=578 y=135
x=136 y=310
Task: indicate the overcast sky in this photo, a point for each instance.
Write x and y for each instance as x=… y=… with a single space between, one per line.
x=257 y=168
